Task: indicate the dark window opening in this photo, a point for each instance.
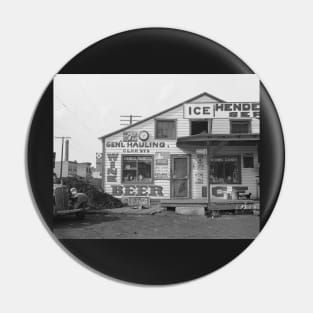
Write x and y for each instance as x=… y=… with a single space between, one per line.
x=248 y=161
x=199 y=127
x=240 y=127
x=165 y=129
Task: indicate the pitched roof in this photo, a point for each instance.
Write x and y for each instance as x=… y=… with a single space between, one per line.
x=162 y=112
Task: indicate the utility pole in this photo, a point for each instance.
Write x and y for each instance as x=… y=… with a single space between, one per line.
x=62 y=138
x=130 y=119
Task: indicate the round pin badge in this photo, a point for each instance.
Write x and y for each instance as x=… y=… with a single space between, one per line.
x=155 y=156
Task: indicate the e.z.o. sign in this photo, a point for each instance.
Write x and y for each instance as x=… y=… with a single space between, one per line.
x=222 y=110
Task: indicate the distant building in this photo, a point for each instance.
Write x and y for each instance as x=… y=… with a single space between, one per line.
x=72 y=169
x=69 y=168
x=84 y=169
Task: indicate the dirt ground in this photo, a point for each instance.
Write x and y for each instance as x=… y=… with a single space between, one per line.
x=165 y=225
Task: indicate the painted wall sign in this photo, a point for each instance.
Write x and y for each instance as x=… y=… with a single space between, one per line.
x=198 y=111
x=200 y=162
x=237 y=110
x=130 y=136
x=199 y=178
x=137 y=201
x=162 y=165
x=222 y=110
x=122 y=144
x=112 y=170
x=198 y=168
x=201 y=151
x=136 y=147
x=137 y=190
x=226 y=192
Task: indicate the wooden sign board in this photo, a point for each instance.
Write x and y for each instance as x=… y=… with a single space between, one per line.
x=138 y=201
x=222 y=110
x=199 y=110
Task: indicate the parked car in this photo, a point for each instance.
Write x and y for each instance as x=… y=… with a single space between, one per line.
x=65 y=202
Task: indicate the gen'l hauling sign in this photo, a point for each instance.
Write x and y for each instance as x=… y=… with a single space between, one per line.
x=222 y=110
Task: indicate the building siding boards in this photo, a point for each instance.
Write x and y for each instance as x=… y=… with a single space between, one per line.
x=219 y=126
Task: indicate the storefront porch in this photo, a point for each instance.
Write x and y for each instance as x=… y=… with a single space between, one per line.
x=226 y=205
x=225 y=181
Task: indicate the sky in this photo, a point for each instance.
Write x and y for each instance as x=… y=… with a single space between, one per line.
x=88 y=106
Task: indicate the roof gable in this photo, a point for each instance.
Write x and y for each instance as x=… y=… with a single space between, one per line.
x=201 y=98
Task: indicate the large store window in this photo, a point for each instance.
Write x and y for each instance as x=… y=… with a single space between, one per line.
x=225 y=170
x=137 y=169
x=165 y=129
x=240 y=127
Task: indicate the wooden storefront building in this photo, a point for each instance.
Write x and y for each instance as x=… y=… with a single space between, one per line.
x=203 y=151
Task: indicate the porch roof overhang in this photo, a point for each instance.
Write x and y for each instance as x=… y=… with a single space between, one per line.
x=216 y=139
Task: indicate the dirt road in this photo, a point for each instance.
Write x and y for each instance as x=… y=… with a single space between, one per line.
x=159 y=226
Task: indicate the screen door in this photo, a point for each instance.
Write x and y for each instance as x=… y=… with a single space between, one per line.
x=180 y=176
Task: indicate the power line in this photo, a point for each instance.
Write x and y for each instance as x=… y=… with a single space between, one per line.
x=74 y=114
x=62 y=138
x=130 y=119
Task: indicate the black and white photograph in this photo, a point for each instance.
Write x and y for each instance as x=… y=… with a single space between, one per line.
x=156 y=156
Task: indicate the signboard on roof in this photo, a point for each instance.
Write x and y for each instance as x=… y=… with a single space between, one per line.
x=199 y=110
x=222 y=110
x=237 y=110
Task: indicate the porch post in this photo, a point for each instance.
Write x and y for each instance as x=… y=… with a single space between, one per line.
x=208 y=179
x=210 y=126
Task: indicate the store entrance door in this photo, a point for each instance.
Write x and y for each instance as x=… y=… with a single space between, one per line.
x=180 y=176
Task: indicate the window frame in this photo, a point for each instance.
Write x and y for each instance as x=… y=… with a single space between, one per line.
x=165 y=120
x=240 y=169
x=248 y=155
x=135 y=182
x=231 y=121
x=197 y=120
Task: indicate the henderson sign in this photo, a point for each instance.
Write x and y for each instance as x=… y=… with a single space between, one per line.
x=222 y=110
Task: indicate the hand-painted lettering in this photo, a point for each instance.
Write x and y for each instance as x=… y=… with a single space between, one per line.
x=137 y=190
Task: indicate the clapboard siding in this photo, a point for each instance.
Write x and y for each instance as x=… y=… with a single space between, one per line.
x=255 y=126
x=222 y=126
x=219 y=126
x=149 y=126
